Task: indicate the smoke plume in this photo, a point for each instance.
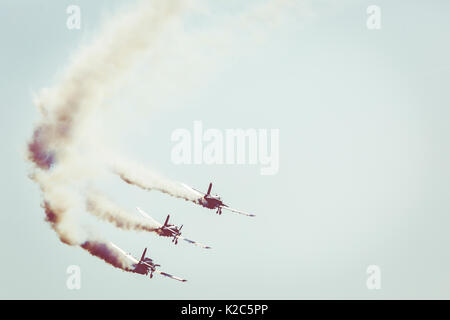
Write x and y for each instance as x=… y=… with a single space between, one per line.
x=66 y=156
x=59 y=167
x=138 y=175
x=107 y=253
x=107 y=210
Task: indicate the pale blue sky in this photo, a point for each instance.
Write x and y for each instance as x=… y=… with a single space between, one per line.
x=364 y=152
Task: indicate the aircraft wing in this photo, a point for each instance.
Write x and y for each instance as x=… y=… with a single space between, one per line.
x=237 y=211
x=145 y=215
x=194 y=242
x=170 y=276
x=148 y=265
x=199 y=193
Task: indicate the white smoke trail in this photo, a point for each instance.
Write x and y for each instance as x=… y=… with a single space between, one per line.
x=108 y=253
x=142 y=177
x=225 y=35
x=62 y=167
x=105 y=209
x=91 y=75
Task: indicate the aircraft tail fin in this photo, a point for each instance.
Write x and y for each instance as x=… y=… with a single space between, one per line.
x=143 y=254
x=209 y=189
x=167 y=220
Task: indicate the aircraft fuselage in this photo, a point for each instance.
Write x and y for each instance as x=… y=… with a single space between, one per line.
x=210 y=202
x=169 y=231
x=144 y=269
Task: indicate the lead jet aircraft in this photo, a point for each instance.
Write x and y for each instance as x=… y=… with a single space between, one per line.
x=170 y=230
x=145 y=265
x=210 y=201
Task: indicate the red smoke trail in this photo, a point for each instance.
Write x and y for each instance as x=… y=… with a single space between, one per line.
x=38 y=149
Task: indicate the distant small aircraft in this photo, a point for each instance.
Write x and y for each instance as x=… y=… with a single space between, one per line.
x=210 y=201
x=145 y=265
x=170 y=230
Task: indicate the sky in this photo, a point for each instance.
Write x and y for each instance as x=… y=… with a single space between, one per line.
x=364 y=149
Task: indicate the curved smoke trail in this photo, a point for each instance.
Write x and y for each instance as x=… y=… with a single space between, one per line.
x=53 y=148
x=56 y=147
